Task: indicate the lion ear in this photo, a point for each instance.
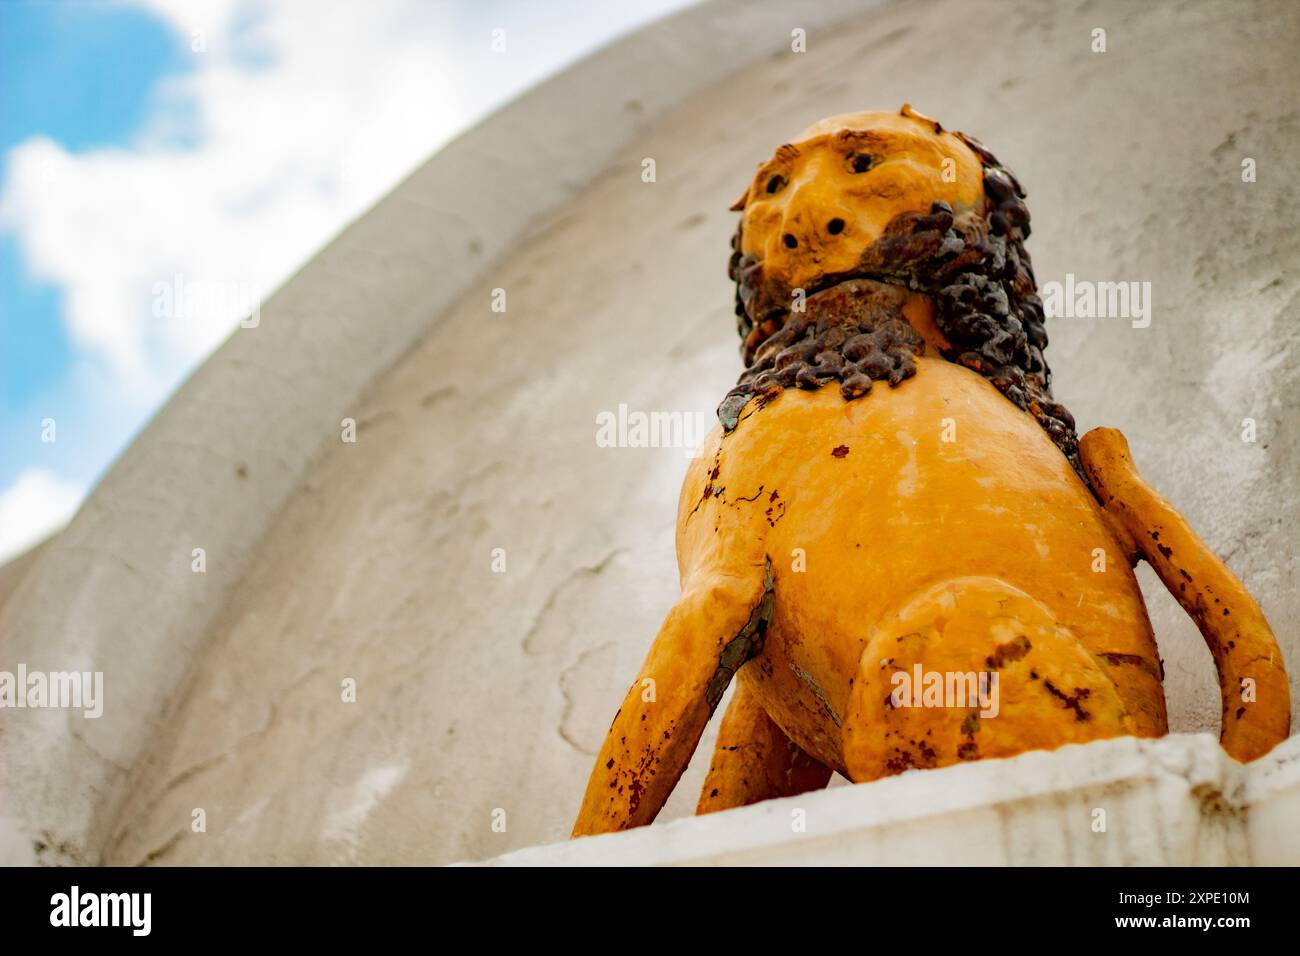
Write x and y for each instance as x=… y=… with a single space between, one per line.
x=739 y=204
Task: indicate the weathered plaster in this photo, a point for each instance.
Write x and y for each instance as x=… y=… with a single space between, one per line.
x=479 y=691
x=1177 y=801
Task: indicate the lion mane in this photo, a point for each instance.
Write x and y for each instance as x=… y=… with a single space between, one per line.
x=987 y=306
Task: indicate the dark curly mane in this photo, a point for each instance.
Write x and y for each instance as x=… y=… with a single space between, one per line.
x=986 y=305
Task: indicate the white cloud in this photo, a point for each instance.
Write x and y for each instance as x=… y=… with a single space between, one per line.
x=305 y=114
x=37 y=504
x=286 y=154
x=295 y=118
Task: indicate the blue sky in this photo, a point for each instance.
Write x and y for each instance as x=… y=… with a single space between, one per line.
x=152 y=148
x=80 y=74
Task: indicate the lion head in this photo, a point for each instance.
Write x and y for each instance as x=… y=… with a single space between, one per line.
x=866 y=200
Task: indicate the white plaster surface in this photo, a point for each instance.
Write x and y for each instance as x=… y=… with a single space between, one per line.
x=1177 y=801
x=480 y=692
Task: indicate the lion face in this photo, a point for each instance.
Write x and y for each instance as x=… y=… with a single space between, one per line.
x=817 y=204
x=891 y=198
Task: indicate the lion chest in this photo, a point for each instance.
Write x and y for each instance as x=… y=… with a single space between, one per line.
x=860 y=504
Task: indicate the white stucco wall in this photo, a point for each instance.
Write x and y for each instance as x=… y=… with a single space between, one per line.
x=479 y=691
x=1177 y=801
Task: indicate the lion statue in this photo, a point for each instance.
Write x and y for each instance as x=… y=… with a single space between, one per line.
x=894 y=540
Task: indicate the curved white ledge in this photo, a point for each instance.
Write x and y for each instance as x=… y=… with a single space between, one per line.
x=1176 y=801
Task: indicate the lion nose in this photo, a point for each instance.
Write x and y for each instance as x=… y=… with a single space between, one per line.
x=811 y=224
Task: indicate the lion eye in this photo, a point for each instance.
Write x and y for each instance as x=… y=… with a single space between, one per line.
x=775 y=183
x=862 y=162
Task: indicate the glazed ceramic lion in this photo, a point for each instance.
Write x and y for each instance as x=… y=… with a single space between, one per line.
x=892 y=494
